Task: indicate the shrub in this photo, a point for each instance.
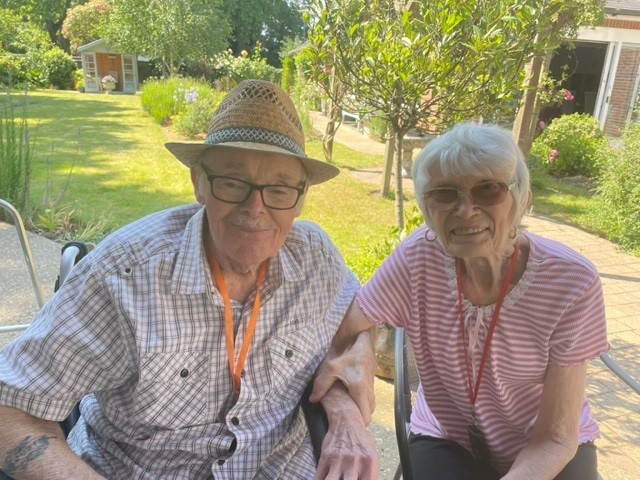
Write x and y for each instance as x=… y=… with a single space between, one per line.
x=12 y=70
x=245 y=67
x=60 y=68
x=78 y=80
x=572 y=145
x=366 y=264
x=197 y=116
x=165 y=98
x=619 y=192
x=288 y=73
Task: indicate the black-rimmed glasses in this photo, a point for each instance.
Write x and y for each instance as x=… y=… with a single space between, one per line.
x=232 y=190
x=484 y=194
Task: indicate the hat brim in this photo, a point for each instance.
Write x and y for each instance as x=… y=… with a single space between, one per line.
x=189 y=154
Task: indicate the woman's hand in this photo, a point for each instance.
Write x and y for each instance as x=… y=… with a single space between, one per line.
x=355 y=368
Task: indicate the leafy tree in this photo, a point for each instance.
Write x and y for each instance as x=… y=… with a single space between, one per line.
x=170 y=30
x=86 y=23
x=50 y=13
x=268 y=22
x=419 y=63
x=429 y=62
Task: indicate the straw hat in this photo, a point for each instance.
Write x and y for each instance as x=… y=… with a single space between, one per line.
x=256 y=115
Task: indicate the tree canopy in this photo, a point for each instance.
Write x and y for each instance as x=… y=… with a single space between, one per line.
x=269 y=22
x=86 y=23
x=170 y=30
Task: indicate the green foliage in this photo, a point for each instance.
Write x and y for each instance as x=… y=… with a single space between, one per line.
x=86 y=22
x=15 y=151
x=196 y=117
x=572 y=145
x=619 y=192
x=269 y=22
x=165 y=99
x=78 y=80
x=245 y=66
x=170 y=30
x=365 y=264
x=12 y=70
x=60 y=69
x=288 y=73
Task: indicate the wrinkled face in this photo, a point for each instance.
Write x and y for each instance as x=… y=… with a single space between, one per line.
x=468 y=230
x=247 y=233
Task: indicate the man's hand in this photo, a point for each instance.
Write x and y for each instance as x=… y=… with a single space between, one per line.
x=355 y=368
x=348 y=449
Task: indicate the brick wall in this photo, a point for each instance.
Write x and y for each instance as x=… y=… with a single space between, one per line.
x=625 y=80
x=628 y=24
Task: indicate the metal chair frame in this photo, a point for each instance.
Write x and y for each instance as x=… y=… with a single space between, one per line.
x=402 y=399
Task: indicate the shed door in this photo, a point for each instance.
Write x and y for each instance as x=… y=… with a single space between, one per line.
x=129 y=74
x=90 y=72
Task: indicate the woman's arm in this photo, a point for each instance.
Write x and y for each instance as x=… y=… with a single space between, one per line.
x=31 y=448
x=555 y=436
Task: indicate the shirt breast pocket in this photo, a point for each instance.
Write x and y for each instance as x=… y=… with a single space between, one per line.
x=294 y=357
x=173 y=389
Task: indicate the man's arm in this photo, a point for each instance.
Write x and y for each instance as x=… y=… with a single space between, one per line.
x=32 y=448
x=555 y=436
x=348 y=449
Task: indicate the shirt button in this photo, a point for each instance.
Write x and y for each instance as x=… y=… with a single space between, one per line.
x=184 y=373
x=288 y=353
x=220 y=462
x=242 y=374
x=235 y=421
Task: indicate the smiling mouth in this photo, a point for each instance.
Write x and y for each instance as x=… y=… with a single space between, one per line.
x=468 y=231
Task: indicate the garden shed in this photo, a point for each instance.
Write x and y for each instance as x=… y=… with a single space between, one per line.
x=100 y=60
x=603 y=69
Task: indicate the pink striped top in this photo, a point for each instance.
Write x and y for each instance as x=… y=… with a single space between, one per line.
x=555 y=314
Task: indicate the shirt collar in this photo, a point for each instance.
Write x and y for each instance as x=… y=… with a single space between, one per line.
x=193 y=276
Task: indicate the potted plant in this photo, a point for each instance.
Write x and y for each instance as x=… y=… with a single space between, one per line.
x=108 y=83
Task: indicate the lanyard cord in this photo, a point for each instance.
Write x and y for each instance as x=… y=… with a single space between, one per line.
x=236 y=370
x=473 y=392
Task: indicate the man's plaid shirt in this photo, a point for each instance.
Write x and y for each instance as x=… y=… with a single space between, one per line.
x=138 y=331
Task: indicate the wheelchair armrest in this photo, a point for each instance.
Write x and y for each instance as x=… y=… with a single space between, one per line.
x=317 y=421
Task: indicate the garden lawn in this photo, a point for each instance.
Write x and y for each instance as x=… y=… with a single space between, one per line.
x=110 y=151
x=113 y=155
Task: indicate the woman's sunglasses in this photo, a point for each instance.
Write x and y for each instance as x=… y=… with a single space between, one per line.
x=482 y=194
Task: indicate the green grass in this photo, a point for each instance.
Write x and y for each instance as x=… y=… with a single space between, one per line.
x=119 y=167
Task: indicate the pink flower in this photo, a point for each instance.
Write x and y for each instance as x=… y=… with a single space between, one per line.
x=542 y=125
x=568 y=95
x=553 y=155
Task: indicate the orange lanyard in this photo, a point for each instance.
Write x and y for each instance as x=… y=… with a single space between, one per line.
x=473 y=392
x=228 y=321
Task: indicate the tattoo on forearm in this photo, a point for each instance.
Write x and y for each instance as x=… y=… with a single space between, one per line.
x=28 y=450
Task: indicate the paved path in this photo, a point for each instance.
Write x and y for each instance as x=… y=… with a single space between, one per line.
x=615 y=405
x=616 y=408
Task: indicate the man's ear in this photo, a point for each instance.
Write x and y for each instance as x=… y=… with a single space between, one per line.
x=196 y=180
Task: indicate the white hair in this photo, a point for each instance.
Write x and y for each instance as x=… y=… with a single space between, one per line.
x=470 y=149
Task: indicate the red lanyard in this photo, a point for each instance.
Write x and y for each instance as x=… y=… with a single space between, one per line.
x=228 y=321
x=473 y=392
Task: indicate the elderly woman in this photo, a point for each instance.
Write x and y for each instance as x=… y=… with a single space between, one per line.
x=502 y=321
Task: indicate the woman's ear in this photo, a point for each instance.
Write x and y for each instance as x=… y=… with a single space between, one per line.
x=196 y=180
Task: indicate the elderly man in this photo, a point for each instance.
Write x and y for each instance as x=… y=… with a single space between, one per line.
x=191 y=334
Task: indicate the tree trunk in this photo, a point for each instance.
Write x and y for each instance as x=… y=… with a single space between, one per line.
x=537 y=106
x=399 y=191
x=388 y=165
x=335 y=119
x=523 y=120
